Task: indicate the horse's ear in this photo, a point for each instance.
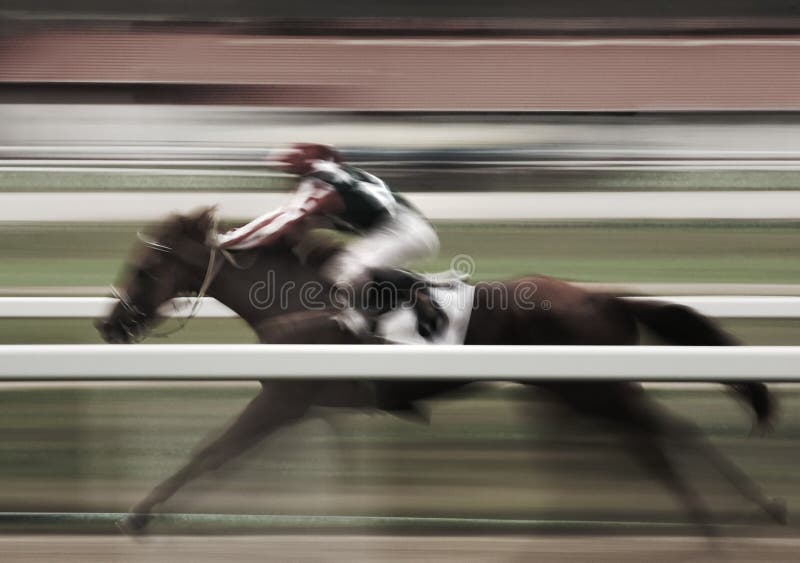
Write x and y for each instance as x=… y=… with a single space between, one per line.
x=207 y=217
x=171 y=226
x=201 y=221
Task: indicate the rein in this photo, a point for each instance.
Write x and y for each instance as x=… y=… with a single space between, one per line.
x=211 y=273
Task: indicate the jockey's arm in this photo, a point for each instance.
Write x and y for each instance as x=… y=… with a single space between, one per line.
x=313 y=197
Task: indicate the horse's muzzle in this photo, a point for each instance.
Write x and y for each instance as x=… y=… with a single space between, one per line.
x=113 y=332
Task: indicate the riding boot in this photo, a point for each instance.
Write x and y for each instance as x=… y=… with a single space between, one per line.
x=431 y=318
x=407 y=287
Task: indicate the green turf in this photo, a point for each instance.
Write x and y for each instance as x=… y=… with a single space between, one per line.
x=81 y=331
x=755 y=252
x=767 y=332
x=446 y=178
x=150 y=180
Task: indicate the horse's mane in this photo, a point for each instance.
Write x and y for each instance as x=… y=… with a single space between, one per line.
x=195 y=225
x=314 y=250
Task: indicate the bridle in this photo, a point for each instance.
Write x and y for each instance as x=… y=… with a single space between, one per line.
x=133 y=324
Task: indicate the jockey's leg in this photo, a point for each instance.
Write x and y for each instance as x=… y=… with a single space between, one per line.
x=409 y=288
x=375 y=257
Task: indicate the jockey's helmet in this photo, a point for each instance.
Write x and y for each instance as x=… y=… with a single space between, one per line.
x=299 y=158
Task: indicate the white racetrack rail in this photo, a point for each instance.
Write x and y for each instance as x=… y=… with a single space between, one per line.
x=453 y=206
x=720 y=306
x=105 y=362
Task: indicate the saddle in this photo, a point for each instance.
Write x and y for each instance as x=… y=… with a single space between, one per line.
x=414 y=289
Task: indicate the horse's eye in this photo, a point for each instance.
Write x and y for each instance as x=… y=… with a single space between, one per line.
x=146 y=273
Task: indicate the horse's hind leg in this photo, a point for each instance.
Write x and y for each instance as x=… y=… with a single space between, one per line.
x=277 y=404
x=651 y=427
x=689 y=435
x=642 y=425
x=651 y=453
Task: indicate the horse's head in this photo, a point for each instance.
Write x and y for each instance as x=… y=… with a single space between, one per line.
x=160 y=268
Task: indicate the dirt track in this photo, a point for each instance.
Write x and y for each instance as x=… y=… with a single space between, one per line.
x=300 y=548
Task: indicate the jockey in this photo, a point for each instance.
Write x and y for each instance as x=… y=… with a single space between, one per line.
x=392 y=232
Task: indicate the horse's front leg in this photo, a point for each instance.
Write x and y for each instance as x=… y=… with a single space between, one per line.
x=278 y=403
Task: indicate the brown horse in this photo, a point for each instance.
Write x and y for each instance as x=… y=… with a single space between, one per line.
x=179 y=262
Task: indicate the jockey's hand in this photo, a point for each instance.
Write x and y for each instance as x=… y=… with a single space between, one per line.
x=212 y=241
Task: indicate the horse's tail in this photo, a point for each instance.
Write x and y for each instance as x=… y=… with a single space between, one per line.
x=683 y=326
x=678 y=324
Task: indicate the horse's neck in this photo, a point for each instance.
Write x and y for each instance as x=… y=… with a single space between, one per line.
x=266 y=285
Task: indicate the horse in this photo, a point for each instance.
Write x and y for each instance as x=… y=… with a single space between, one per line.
x=178 y=261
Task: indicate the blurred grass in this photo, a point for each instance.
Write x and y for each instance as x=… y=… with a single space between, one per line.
x=81 y=331
x=497 y=454
x=405 y=178
x=767 y=332
x=146 y=179
x=721 y=252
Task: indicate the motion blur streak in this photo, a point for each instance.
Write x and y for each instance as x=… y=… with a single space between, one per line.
x=311 y=549
x=641 y=147
x=403 y=75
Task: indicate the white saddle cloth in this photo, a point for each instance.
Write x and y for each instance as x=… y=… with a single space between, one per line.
x=455 y=299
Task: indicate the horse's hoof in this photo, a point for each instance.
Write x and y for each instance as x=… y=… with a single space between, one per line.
x=776 y=508
x=134 y=524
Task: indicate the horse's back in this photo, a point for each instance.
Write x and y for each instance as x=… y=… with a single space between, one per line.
x=545 y=310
